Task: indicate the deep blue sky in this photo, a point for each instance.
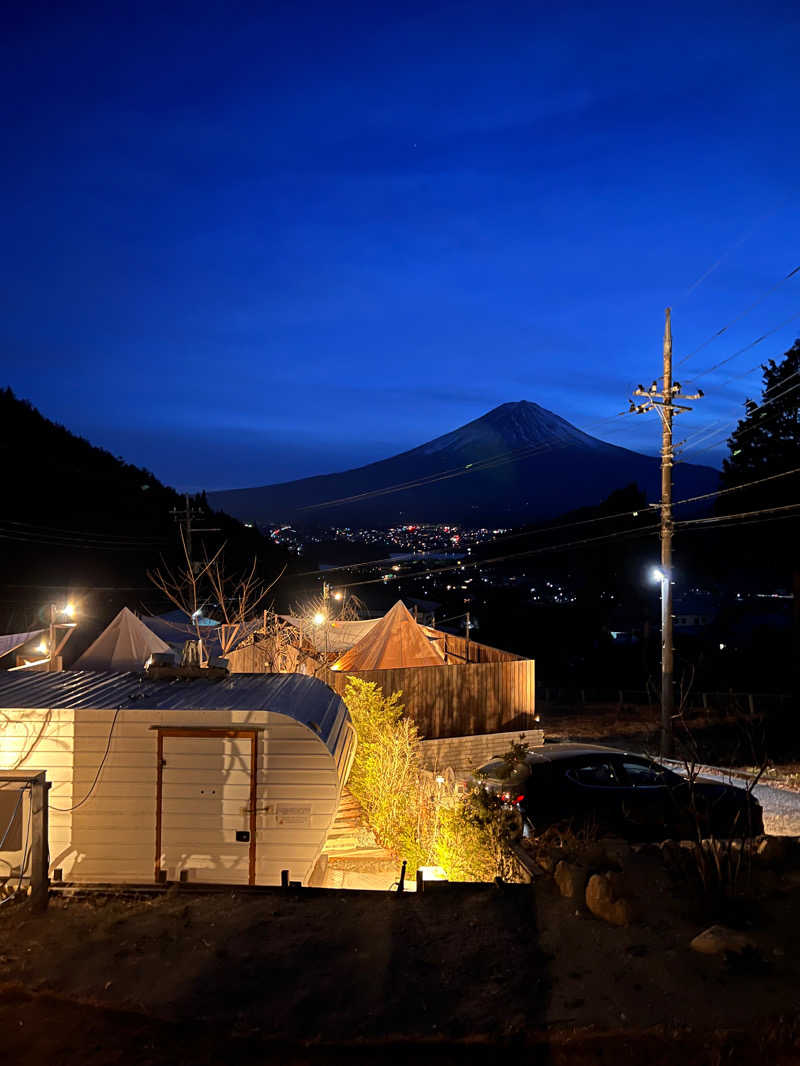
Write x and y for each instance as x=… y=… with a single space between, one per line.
x=243 y=244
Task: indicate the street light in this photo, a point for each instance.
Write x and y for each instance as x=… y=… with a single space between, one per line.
x=318 y=618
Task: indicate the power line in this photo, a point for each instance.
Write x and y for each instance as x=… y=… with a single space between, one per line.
x=746 y=429
x=60 y=542
x=737 y=244
x=737 y=318
x=505 y=558
x=477 y=466
x=747 y=347
x=742 y=514
x=81 y=532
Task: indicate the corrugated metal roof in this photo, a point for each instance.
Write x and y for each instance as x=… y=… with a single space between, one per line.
x=305 y=699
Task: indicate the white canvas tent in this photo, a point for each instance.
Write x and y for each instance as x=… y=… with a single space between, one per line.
x=396 y=641
x=125 y=644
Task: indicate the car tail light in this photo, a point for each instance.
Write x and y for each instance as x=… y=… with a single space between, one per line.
x=506 y=797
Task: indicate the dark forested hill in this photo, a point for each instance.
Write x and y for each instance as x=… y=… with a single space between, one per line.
x=76 y=520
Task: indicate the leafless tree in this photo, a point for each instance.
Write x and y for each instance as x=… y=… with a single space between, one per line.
x=236 y=598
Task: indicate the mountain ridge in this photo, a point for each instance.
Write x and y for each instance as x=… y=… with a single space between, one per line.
x=518 y=462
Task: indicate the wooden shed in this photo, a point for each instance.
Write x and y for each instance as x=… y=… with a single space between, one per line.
x=228 y=781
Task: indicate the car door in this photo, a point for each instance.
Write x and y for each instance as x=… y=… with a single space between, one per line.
x=649 y=808
x=594 y=790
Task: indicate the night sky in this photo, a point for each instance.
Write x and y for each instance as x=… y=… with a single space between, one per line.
x=251 y=243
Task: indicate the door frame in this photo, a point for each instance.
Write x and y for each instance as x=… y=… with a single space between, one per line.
x=192 y=731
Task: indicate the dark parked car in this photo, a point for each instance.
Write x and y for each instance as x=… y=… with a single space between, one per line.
x=619 y=792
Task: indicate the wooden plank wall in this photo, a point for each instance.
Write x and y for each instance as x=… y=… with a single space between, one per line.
x=478 y=653
x=459 y=700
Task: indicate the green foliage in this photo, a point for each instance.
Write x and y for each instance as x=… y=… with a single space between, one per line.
x=412 y=812
x=463 y=847
x=385 y=778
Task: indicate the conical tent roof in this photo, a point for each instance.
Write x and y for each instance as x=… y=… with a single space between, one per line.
x=125 y=644
x=395 y=641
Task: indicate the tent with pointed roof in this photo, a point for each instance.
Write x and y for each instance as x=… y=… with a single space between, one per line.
x=125 y=644
x=395 y=641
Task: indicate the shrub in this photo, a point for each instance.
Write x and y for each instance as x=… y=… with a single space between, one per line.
x=424 y=820
x=385 y=778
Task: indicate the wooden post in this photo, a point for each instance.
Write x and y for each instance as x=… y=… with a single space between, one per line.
x=40 y=883
x=667 y=684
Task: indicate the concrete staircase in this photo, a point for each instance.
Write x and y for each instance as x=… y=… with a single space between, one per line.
x=349 y=836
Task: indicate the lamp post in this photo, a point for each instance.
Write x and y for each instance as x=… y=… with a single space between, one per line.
x=53 y=648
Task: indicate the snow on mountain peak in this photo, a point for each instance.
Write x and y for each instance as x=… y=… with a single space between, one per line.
x=512 y=425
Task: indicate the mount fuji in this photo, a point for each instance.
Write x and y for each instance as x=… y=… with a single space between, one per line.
x=518 y=463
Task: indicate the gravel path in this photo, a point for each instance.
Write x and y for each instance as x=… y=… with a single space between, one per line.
x=781 y=805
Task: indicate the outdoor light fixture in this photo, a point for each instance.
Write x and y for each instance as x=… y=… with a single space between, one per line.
x=337 y=595
x=42 y=647
x=69 y=610
x=657 y=574
x=318 y=618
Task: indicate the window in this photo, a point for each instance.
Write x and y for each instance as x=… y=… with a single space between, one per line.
x=595 y=775
x=640 y=775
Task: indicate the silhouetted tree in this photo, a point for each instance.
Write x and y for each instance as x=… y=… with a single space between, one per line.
x=766 y=442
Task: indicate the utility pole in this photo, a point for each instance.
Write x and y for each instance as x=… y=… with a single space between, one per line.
x=664 y=403
x=467 y=629
x=185 y=518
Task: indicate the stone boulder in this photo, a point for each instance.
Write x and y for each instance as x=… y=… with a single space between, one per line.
x=571 y=879
x=719 y=940
x=605 y=900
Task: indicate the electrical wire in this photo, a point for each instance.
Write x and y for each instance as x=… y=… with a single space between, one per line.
x=746 y=429
x=737 y=318
x=462 y=566
x=630 y=513
x=74 y=807
x=81 y=532
x=743 y=514
x=477 y=466
x=746 y=348
x=738 y=243
x=53 y=540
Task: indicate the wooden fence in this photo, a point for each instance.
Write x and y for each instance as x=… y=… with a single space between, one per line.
x=461 y=699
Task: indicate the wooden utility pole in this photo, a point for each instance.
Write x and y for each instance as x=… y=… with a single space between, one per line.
x=667 y=678
x=185 y=517
x=664 y=403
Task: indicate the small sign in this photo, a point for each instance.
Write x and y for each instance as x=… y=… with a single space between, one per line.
x=293 y=814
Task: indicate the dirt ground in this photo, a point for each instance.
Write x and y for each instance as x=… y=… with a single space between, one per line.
x=461 y=973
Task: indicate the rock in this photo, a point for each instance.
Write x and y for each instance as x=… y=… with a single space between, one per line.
x=771 y=851
x=604 y=899
x=719 y=940
x=571 y=879
x=546 y=861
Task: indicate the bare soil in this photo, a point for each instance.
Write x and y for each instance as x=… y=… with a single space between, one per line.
x=460 y=973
